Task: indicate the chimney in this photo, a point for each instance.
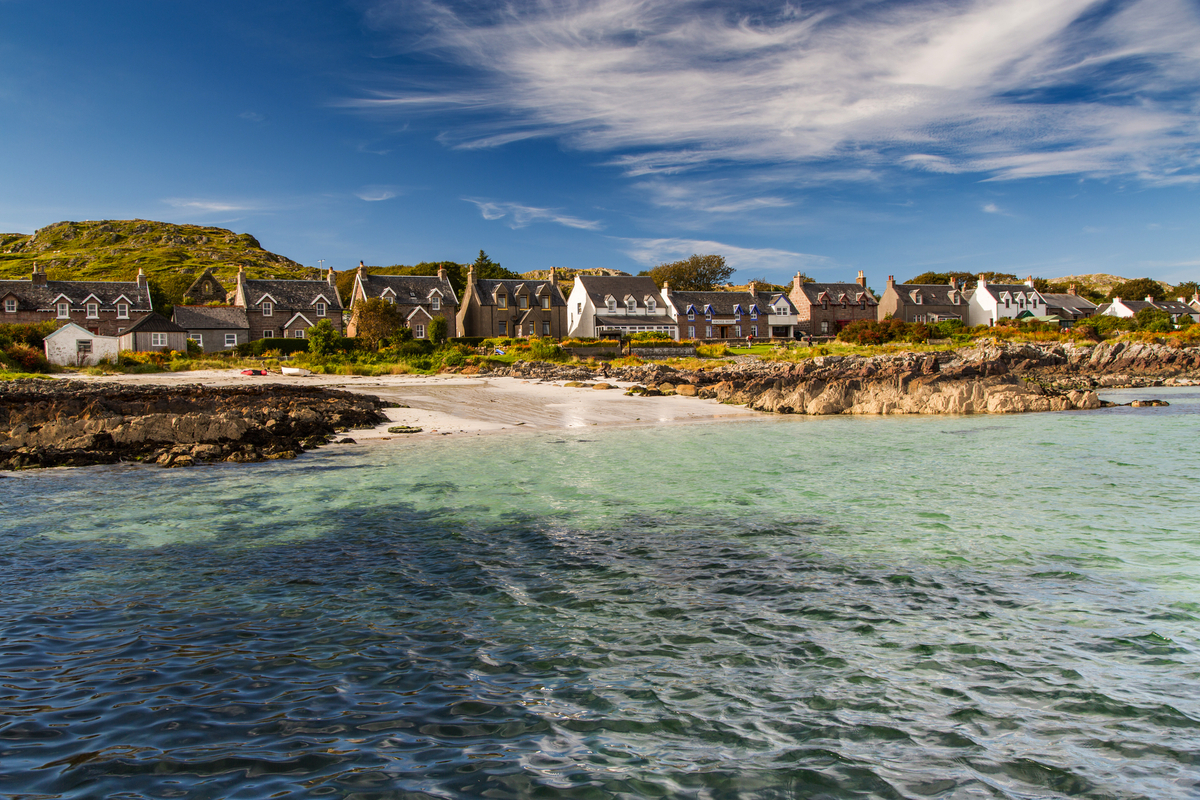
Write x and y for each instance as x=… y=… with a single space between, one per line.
x=330 y=278
x=982 y=280
x=361 y=268
x=241 y=276
x=39 y=276
x=142 y=281
x=1149 y=299
x=1073 y=290
x=953 y=282
x=554 y=276
x=666 y=290
x=1029 y=281
x=443 y=275
x=892 y=281
x=752 y=287
x=861 y=280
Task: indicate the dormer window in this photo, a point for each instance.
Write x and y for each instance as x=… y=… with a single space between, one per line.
x=64 y=310
x=631 y=305
x=122 y=310
x=10 y=306
x=708 y=313
x=320 y=309
x=436 y=303
x=523 y=302
x=502 y=301
x=267 y=309
x=93 y=311
x=754 y=313
x=691 y=314
x=612 y=304
x=651 y=305
x=545 y=302
x=391 y=300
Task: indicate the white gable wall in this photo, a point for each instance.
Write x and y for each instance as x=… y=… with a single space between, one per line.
x=62 y=347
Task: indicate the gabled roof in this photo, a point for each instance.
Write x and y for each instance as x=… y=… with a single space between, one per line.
x=723 y=304
x=815 y=293
x=931 y=294
x=599 y=286
x=31 y=296
x=490 y=287
x=998 y=290
x=291 y=294
x=1071 y=303
x=1175 y=307
x=405 y=287
x=775 y=300
x=75 y=330
x=154 y=323
x=212 y=317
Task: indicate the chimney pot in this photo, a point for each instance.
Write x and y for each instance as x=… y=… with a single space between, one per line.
x=861 y=280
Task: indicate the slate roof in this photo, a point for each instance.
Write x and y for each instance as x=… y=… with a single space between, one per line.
x=513 y=286
x=291 y=293
x=600 y=286
x=1071 y=304
x=852 y=291
x=408 y=288
x=32 y=297
x=723 y=303
x=769 y=300
x=212 y=317
x=154 y=323
x=997 y=289
x=1137 y=305
x=657 y=321
x=937 y=294
x=1175 y=307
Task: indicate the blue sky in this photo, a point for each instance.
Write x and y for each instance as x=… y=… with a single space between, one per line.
x=1045 y=137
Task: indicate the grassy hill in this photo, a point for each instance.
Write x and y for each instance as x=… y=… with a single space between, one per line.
x=116 y=249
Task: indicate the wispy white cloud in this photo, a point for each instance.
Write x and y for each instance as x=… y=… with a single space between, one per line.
x=374 y=194
x=760 y=260
x=519 y=216
x=992 y=208
x=252 y=116
x=210 y=206
x=1007 y=88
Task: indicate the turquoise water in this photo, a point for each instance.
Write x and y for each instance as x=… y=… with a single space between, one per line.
x=787 y=607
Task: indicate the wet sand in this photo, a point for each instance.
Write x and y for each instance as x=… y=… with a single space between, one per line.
x=470 y=404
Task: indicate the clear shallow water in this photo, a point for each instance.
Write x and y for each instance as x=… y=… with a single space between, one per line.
x=927 y=607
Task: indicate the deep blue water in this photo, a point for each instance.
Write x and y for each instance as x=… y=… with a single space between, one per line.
x=828 y=608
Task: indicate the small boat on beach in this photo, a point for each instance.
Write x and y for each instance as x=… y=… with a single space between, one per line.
x=254 y=372
x=298 y=371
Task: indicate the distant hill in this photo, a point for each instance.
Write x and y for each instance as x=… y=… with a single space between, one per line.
x=115 y=250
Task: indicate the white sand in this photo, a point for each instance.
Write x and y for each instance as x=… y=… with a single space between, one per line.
x=470 y=404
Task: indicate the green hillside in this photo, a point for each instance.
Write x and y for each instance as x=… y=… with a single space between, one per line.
x=116 y=249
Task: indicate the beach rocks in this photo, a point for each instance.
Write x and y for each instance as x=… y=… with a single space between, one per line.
x=65 y=423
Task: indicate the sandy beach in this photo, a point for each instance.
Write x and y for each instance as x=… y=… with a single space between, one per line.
x=475 y=404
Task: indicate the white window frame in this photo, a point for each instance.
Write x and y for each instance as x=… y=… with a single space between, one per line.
x=10 y=306
x=418 y=331
x=320 y=309
x=612 y=306
x=691 y=316
x=298 y=333
x=232 y=336
x=436 y=303
x=691 y=331
x=268 y=310
x=708 y=331
x=737 y=332
x=651 y=306
x=158 y=339
x=523 y=302
x=630 y=306
x=122 y=310
x=545 y=302
x=64 y=310
x=198 y=338
x=268 y=334
x=502 y=301
x=754 y=331
x=83 y=347
x=93 y=311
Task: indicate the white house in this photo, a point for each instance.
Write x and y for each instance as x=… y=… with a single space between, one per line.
x=607 y=305
x=1129 y=308
x=75 y=346
x=991 y=302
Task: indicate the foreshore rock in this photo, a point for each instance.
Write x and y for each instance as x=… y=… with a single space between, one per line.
x=72 y=423
x=993 y=378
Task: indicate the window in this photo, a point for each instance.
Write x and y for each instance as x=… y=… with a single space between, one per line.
x=503 y=329
x=267 y=310
x=391 y=300
x=737 y=332
x=93 y=311
x=691 y=313
x=1006 y=302
x=523 y=301
x=708 y=332
x=579 y=308
x=298 y=333
x=197 y=338
x=825 y=327
x=158 y=340
x=436 y=303
x=122 y=310
x=631 y=305
x=545 y=327
x=612 y=304
x=754 y=330
x=545 y=302
x=691 y=331
x=231 y=340
x=708 y=313
x=418 y=331
x=64 y=310
x=10 y=306
x=502 y=301
x=268 y=334
x=83 y=347
x=651 y=305
x=754 y=313
x=320 y=309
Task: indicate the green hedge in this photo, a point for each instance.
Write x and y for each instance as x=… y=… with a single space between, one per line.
x=278 y=344
x=469 y=341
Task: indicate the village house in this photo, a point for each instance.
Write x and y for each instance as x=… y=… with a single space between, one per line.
x=205 y=290
x=287 y=308
x=1194 y=305
x=992 y=302
x=420 y=298
x=154 y=332
x=214 y=328
x=823 y=309
x=516 y=307
x=718 y=315
x=73 y=346
x=1069 y=307
x=782 y=319
x=106 y=308
x=617 y=305
x=1129 y=308
x=922 y=302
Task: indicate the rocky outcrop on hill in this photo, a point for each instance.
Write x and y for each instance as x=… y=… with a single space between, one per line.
x=71 y=423
x=1107 y=364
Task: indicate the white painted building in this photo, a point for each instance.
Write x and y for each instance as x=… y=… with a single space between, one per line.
x=610 y=305
x=75 y=346
x=991 y=302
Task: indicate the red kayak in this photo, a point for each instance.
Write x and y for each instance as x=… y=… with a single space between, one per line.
x=254 y=372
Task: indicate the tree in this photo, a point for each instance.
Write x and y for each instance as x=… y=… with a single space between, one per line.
x=693 y=274
x=1186 y=290
x=377 y=320
x=1138 y=289
x=1154 y=320
x=486 y=268
x=964 y=279
x=438 y=328
x=323 y=339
